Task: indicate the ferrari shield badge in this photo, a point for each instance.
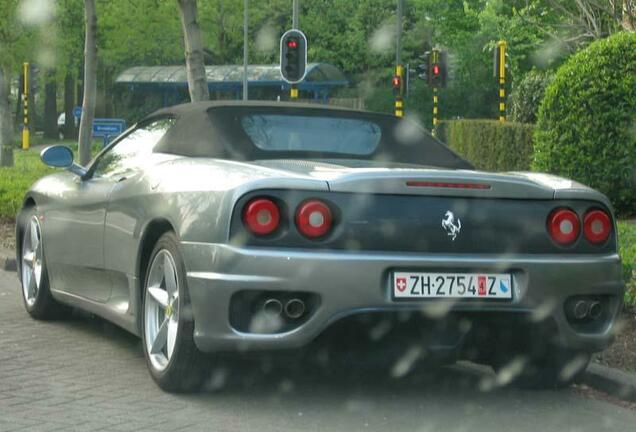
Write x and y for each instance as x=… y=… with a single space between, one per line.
x=451 y=225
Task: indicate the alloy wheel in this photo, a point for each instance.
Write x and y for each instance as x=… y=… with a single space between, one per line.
x=161 y=310
x=32 y=261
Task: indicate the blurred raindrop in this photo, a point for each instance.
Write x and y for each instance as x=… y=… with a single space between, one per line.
x=378 y=331
x=572 y=367
x=438 y=309
x=266 y=38
x=382 y=39
x=36 y=12
x=548 y=53
x=46 y=57
x=409 y=131
x=405 y=363
x=218 y=379
x=544 y=310
x=286 y=386
x=265 y=322
x=510 y=371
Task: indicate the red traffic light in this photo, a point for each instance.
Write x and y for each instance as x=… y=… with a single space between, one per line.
x=292 y=43
x=396 y=81
x=436 y=69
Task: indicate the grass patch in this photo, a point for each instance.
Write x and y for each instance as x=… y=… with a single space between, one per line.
x=627 y=244
x=16 y=180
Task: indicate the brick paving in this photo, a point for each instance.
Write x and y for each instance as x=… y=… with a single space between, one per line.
x=84 y=374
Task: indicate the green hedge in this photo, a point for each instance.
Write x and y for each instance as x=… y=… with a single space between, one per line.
x=586 y=128
x=489 y=144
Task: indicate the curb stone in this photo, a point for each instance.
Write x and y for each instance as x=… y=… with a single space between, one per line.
x=613 y=381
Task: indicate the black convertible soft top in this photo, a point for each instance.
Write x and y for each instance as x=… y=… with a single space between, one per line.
x=213 y=129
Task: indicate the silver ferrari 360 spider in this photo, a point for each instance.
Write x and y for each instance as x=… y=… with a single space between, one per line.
x=227 y=227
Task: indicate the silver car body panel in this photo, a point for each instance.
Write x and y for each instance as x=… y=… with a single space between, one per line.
x=94 y=230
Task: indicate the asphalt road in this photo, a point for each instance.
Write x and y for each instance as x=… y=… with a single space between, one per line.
x=85 y=374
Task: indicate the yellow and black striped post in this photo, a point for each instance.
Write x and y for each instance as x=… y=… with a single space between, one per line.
x=399 y=107
x=25 y=104
x=435 y=110
x=293 y=92
x=399 y=102
x=501 y=73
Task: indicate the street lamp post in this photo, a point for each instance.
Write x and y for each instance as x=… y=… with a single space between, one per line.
x=245 y=48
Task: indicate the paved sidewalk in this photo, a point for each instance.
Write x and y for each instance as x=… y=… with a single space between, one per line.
x=83 y=374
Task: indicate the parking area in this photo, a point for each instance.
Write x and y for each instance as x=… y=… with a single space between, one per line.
x=85 y=374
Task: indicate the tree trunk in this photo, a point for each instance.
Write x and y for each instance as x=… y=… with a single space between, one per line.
x=50 y=106
x=90 y=83
x=70 y=131
x=195 y=67
x=6 y=128
x=628 y=21
x=18 y=103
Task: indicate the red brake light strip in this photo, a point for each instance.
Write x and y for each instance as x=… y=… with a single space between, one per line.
x=418 y=183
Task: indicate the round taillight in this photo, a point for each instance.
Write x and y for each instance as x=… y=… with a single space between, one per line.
x=597 y=226
x=564 y=226
x=261 y=216
x=313 y=219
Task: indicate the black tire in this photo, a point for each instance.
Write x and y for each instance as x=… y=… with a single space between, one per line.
x=43 y=306
x=187 y=367
x=557 y=368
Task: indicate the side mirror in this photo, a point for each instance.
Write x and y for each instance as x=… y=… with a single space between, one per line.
x=59 y=156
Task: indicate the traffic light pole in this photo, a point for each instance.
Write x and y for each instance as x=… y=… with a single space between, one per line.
x=293 y=92
x=399 y=69
x=399 y=102
x=25 y=104
x=435 y=121
x=502 y=80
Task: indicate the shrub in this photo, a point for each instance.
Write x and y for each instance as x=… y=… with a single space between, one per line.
x=586 y=127
x=526 y=96
x=489 y=144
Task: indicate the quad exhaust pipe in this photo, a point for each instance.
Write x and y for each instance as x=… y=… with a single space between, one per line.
x=272 y=306
x=582 y=309
x=293 y=309
x=595 y=310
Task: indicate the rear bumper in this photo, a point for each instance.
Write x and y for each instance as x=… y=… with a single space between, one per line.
x=350 y=282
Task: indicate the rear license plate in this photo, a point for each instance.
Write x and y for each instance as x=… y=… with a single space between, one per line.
x=409 y=285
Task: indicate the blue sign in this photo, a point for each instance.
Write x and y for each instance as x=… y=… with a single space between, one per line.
x=77 y=112
x=108 y=128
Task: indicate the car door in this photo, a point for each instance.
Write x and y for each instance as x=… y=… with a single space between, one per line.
x=125 y=207
x=75 y=229
x=74 y=232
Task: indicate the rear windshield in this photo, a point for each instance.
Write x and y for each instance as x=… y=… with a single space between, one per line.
x=273 y=132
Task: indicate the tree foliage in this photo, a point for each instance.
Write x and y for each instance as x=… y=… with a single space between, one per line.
x=527 y=94
x=356 y=36
x=586 y=128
